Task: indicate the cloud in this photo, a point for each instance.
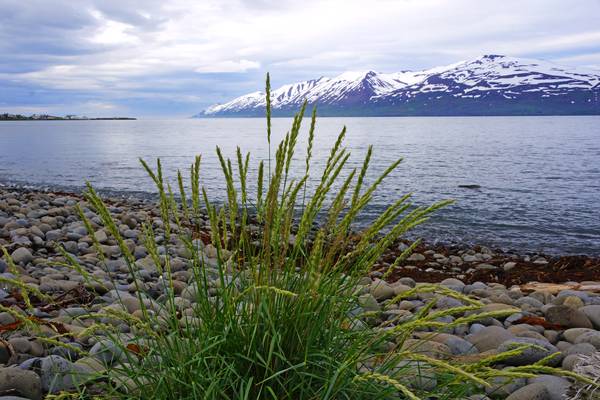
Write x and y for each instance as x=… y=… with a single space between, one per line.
x=129 y=53
x=229 y=66
x=113 y=32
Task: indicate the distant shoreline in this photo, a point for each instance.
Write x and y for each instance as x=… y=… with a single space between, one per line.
x=47 y=117
x=69 y=119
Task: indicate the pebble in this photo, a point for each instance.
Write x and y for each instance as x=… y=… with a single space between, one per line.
x=573 y=302
x=416 y=257
x=592 y=337
x=485 y=267
x=4 y=353
x=456 y=345
x=454 y=284
x=107 y=352
x=53 y=235
x=534 y=391
x=593 y=313
x=418 y=375
x=580 y=348
x=381 y=290
x=489 y=338
x=26 y=384
x=572 y=334
x=90 y=365
x=367 y=302
x=12 y=398
x=567 y=317
x=429 y=348
x=20 y=344
x=22 y=256
x=509 y=265
x=570 y=361
x=556 y=386
x=502 y=386
x=539 y=349
x=410 y=282
x=56 y=374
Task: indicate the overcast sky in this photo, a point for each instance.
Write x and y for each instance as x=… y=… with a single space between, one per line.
x=172 y=58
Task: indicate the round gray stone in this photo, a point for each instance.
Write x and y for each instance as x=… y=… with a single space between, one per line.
x=21 y=382
x=572 y=334
x=570 y=361
x=591 y=337
x=56 y=374
x=535 y=391
x=593 y=314
x=22 y=255
x=540 y=349
x=580 y=348
x=567 y=317
x=366 y=301
x=381 y=290
x=503 y=386
x=107 y=351
x=454 y=284
x=489 y=338
x=556 y=385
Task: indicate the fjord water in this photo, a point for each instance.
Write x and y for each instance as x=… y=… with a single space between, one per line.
x=534 y=182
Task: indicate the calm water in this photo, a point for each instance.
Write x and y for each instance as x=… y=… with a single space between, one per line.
x=539 y=177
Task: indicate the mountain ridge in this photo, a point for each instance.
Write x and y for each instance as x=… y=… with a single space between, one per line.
x=487 y=85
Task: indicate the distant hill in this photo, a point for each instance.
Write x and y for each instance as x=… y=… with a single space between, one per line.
x=45 y=117
x=487 y=85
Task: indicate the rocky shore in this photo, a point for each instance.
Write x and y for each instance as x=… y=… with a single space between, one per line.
x=552 y=303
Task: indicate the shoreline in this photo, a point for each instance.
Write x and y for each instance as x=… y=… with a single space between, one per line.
x=451 y=246
x=428 y=263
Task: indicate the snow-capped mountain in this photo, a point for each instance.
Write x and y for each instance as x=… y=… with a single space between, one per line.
x=488 y=85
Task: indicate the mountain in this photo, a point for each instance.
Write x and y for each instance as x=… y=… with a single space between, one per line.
x=487 y=85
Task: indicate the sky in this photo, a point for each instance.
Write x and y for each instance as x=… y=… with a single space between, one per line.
x=173 y=58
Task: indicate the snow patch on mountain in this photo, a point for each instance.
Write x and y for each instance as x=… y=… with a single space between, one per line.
x=506 y=77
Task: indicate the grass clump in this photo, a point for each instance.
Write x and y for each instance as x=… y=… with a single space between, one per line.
x=274 y=312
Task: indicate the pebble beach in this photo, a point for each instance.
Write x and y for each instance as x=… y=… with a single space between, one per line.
x=552 y=303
